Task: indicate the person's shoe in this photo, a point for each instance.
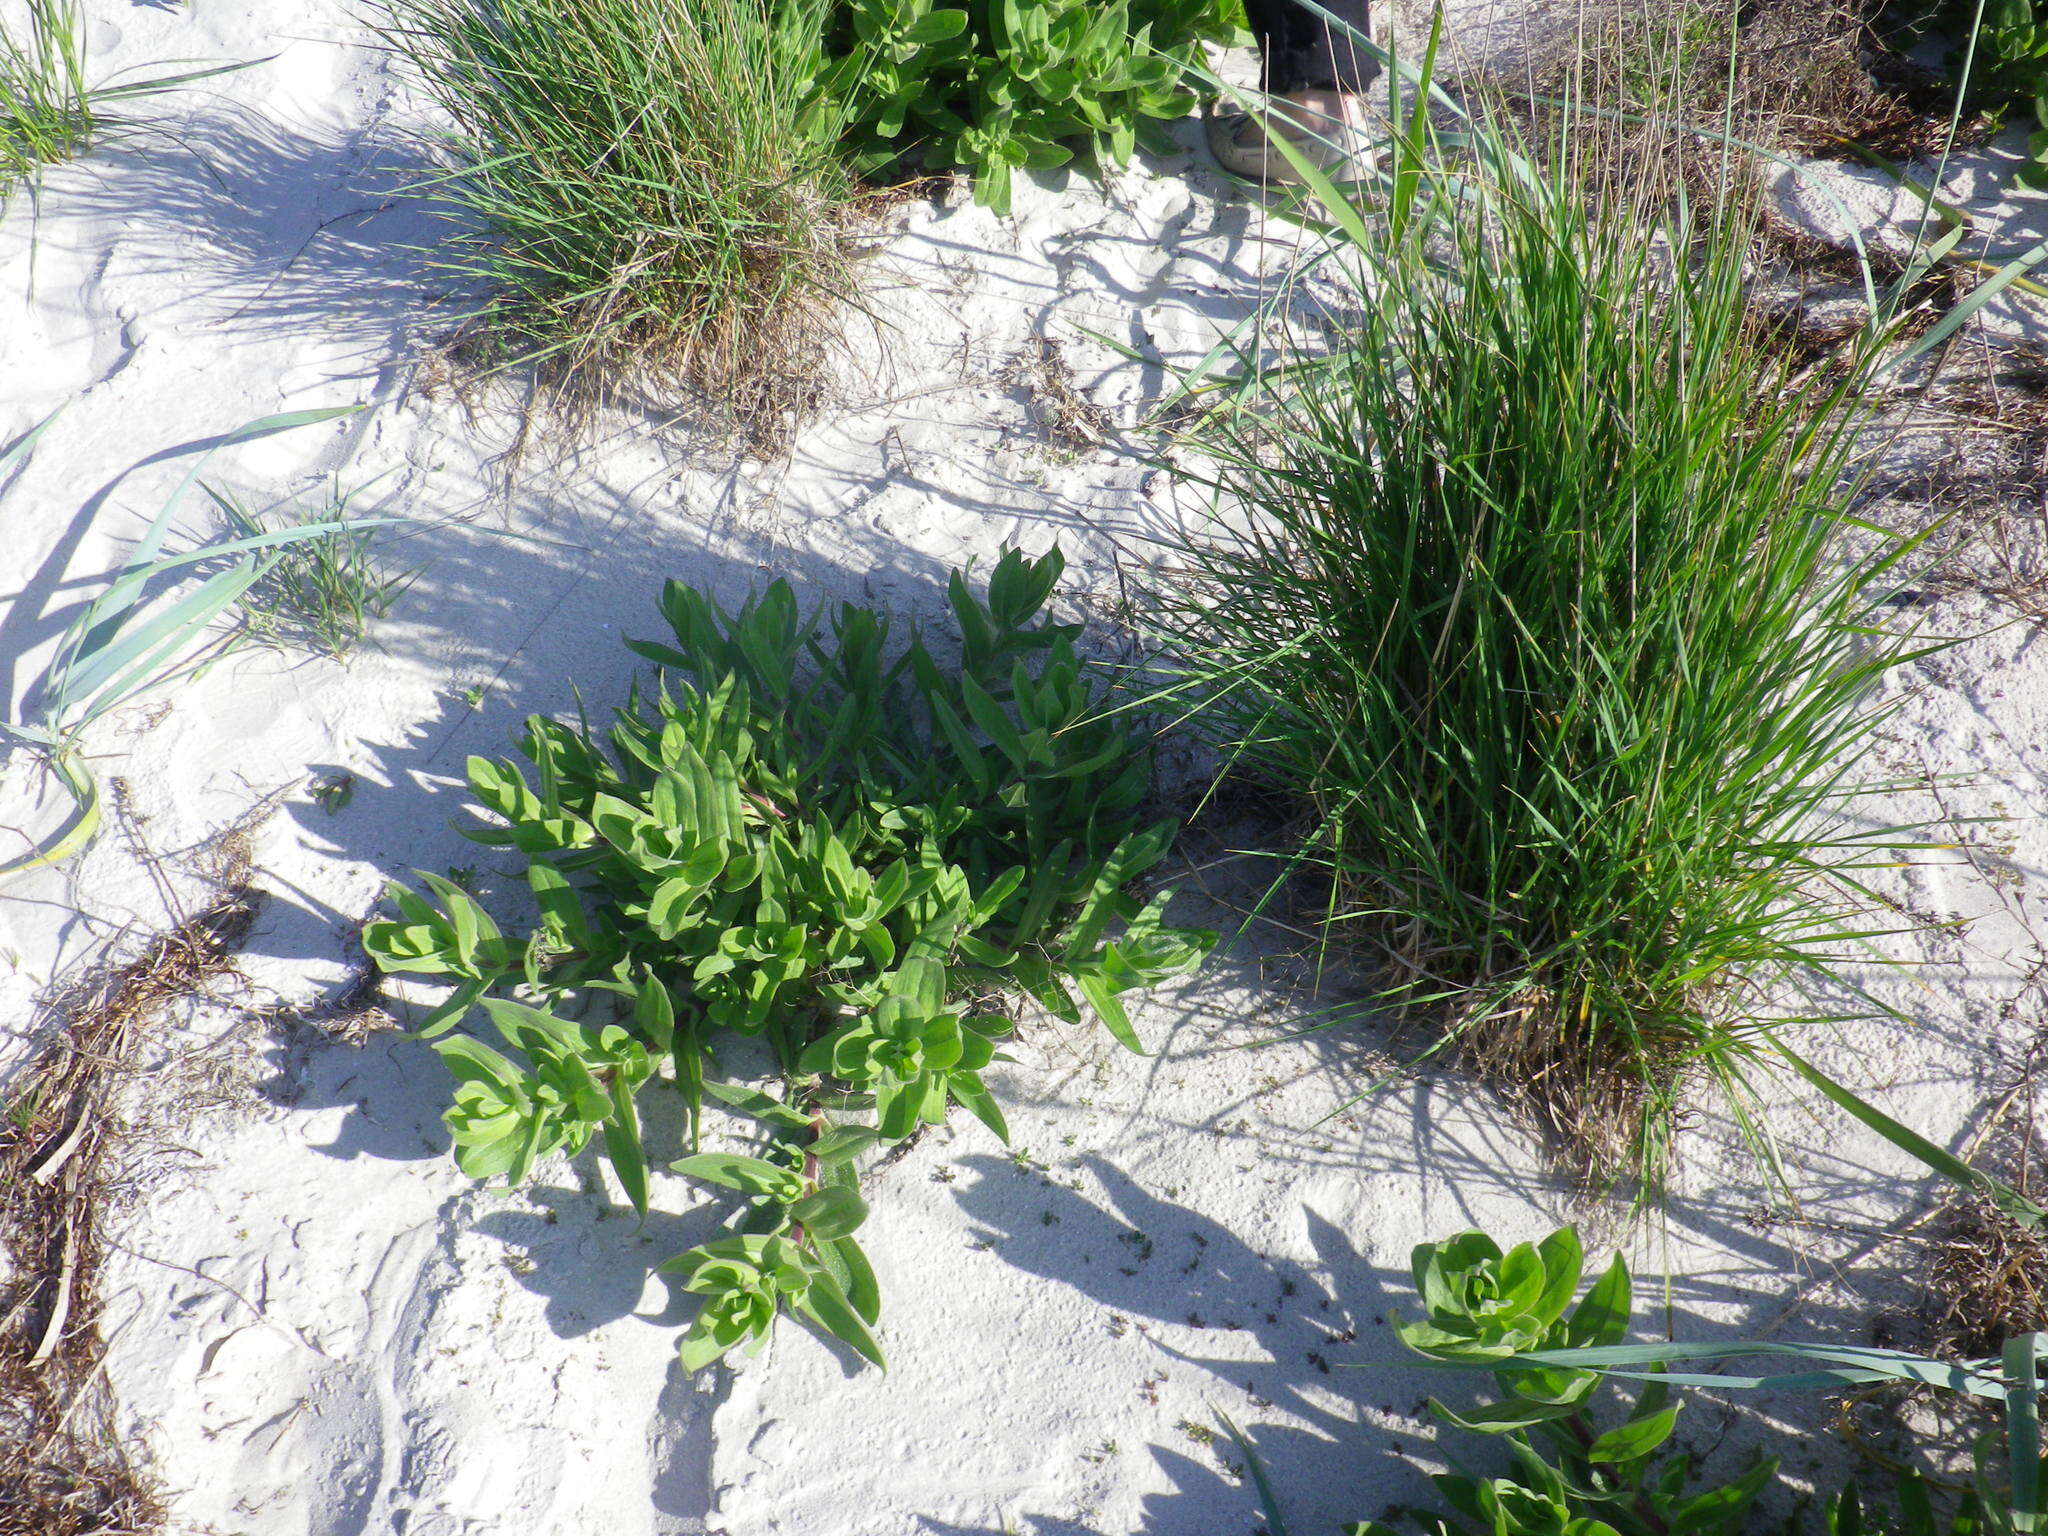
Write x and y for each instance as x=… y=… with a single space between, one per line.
x=1323 y=126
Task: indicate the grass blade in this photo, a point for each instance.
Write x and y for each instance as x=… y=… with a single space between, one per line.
x=2007 y=1199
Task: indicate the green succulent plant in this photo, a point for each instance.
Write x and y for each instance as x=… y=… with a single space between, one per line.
x=1570 y=1476
x=746 y=1281
x=839 y=848
x=914 y=1054
x=1000 y=86
x=1576 y=1468
x=581 y=1081
x=1997 y=56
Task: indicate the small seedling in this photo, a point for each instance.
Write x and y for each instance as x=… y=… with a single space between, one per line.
x=22 y=1111
x=322 y=592
x=333 y=791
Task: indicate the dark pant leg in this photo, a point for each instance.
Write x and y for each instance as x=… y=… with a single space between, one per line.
x=1303 y=52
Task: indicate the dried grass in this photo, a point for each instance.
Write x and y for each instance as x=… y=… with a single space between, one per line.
x=1988 y=1280
x=1069 y=419
x=1652 y=86
x=63 y=1469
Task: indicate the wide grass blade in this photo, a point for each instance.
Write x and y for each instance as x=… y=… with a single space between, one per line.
x=2023 y=1429
x=2008 y=1200
x=80 y=827
x=1269 y=1498
x=119 y=646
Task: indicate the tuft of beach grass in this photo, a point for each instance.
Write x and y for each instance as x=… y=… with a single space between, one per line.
x=646 y=199
x=1538 y=587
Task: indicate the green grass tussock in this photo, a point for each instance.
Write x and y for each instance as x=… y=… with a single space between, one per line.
x=45 y=104
x=50 y=110
x=648 y=197
x=1542 y=593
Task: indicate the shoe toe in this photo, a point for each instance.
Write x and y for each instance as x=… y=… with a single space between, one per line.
x=1239 y=145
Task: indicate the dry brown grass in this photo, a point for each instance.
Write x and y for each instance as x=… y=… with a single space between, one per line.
x=1069 y=419
x=1989 y=1282
x=63 y=1469
x=1666 y=78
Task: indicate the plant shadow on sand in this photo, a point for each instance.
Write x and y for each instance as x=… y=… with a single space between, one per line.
x=542 y=621
x=267 y=231
x=1434 y=1155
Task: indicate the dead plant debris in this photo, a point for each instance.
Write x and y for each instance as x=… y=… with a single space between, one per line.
x=1989 y=1281
x=1988 y=1276
x=63 y=1468
x=1068 y=418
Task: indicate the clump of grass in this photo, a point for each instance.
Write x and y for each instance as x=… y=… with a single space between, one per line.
x=649 y=195
x=324 y=591
x=45 y=106
x=49 y=110
x=1541 y=594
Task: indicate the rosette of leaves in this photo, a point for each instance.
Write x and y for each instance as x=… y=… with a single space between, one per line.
x=913 y=1054
x=1572 y=1473
x=999 y=86
x=793 y=1248
x=1576 y=1468
x=809 y=837
x=581 y=1080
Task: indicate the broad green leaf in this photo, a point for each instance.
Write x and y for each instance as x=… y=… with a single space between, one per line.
x=1601 y=1317
x=834 y=1211
x=750 y=1175
x=654 y=1011
x=994 y=723
x=859 y=1281
x=827 y=1306
x=979 y=1102
x=622 y=1144
x=842 y=1142
x=1635 y=1439
x=1110 y=1009
x=760 y=1106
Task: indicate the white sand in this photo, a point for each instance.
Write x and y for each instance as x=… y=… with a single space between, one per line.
x=320 y=1327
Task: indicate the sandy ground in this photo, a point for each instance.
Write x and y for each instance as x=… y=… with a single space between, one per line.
x=320 y=1327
